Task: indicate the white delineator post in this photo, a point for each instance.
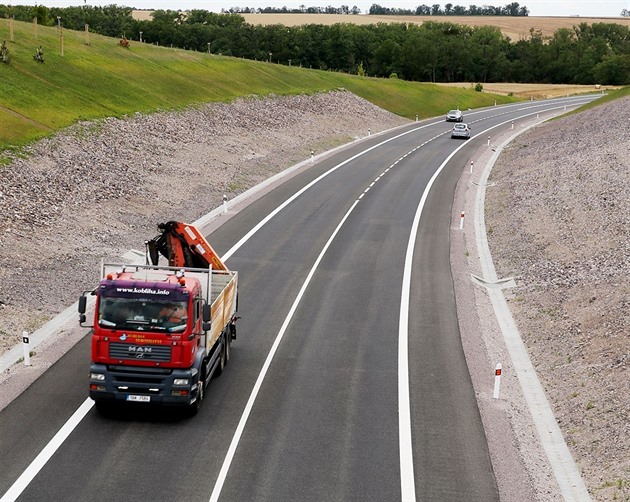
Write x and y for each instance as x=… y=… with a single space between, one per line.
x=471 y=166
x=27 y=351
x=224 y=203
x=488 y=140
x=461 y=221
x=312 y=155
x=497 y=381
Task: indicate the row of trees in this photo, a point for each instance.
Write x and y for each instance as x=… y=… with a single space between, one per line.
x=513 y=9
x=430 y=52
x=302 y=9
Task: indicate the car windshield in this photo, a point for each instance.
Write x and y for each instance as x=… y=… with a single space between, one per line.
x=453 y=112
x=142 y=315
x=460 y=126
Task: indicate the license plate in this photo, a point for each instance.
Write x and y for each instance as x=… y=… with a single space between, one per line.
x=139 y=399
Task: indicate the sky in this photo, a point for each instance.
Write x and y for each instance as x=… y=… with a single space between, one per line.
x=565 y=8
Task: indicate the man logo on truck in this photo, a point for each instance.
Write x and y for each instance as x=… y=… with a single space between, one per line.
x=138 y=351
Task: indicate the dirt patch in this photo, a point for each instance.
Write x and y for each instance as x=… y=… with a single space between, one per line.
x=536 y=91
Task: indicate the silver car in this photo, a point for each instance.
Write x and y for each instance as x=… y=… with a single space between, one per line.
x=461 y=131
x=455 y=116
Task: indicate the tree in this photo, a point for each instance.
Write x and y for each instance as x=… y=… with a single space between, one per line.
x=613 y=70
x=488 y=49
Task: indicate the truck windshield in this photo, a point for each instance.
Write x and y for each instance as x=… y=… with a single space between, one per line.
x=142 y=315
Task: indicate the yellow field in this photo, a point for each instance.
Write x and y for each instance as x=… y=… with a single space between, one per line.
x=516 y=28
x=536 y=91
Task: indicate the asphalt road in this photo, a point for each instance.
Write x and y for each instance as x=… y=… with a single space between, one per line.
x=312 y=405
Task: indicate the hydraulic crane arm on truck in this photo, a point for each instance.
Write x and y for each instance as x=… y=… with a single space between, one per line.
x=161 y=332
x=183 y=246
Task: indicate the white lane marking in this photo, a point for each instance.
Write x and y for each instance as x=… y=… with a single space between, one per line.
x=252 y=398
x=216 y=492
x=407 y=479
x=53 y=445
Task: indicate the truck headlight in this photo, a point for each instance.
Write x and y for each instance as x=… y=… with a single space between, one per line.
x=99 y=377
x=180 y=381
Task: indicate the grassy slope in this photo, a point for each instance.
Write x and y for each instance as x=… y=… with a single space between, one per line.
x=102 y=79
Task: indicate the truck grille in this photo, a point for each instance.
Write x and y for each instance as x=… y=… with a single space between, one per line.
x=124 y=351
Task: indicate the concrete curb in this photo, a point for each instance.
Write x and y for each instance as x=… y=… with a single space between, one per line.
x=565 y=470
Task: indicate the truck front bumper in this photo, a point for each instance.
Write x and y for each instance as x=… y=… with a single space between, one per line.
x=143 y=385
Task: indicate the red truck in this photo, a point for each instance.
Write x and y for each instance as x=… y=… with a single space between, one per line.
x=161 y=332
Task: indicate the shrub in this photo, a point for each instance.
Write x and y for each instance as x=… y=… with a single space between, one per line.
x=479 y=87
x=39 y=55
x=124 y=42
x=4 y=53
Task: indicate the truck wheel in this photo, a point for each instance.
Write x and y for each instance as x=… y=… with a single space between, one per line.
x=228 y=342
x=223 y=357
x=193 y=408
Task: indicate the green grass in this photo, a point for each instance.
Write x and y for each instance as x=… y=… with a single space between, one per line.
x=610 y=96
x=101 y=79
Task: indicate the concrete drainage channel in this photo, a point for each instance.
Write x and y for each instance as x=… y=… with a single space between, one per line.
x=571 y=484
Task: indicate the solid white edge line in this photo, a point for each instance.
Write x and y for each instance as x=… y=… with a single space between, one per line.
x=405 y=437
x=404 y=402
x=49 y=450
x=252 y=398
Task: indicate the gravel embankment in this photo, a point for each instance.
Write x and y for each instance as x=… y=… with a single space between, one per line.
x=557 y=222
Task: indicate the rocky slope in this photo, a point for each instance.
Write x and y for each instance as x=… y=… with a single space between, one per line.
x=558 y=221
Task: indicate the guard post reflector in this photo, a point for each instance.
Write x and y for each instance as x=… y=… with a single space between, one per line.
x=26 y=346
x=497 y=381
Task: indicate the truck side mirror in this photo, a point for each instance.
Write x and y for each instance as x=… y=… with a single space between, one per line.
x=205 y=313
x=205 y=317
x=82 y=306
